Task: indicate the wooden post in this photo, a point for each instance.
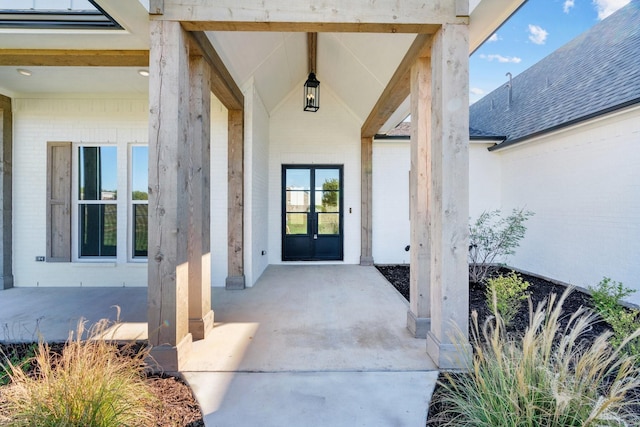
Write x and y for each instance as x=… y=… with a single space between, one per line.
x=449 y=205
x=200 y=313
x=235 y=278
x=168 y=276
x=419 y=314
x=6 y=177
x=366 y=195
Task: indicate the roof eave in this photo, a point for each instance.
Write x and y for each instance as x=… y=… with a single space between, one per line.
x=509 y=143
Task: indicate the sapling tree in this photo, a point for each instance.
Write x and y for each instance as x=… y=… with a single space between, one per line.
x=492 y=238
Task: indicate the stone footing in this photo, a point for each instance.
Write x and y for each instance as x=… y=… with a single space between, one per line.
x=200 y=328
x=366 y=260
x=170 y=359
x=448 y=356
x=235 y=283
x=418 y=326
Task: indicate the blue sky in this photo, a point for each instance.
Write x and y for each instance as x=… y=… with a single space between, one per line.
x=538 y=28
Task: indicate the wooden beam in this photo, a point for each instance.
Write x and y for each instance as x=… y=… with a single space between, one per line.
x=340 y=13
x=421 y=189
x=366 y=207
x=312 y=51
x=74 y=58
x=397 y=89
x=316 y=27
x=6 y=193
x=235 y=207
x=222 y=84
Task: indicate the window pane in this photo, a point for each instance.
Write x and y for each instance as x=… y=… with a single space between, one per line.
x=297 y=223
x=328 y=223
x=298 y=179
x=297 y=201
x=327 y=201
x=139 y=173
x=97 y=173
x=98 y=230
x=140 y=230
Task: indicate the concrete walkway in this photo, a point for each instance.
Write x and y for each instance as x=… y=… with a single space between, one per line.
x=306 y=346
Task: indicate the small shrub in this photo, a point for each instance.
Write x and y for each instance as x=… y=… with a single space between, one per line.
x=606 y=297
x=491 y=238
x=548 y=377
x=92 y=383
x=505 y=295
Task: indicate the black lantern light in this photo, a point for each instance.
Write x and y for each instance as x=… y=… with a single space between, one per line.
x=312 y=93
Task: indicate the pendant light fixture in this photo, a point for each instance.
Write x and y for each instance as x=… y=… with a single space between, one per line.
x=312 y=85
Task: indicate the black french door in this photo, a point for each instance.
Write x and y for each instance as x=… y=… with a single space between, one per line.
x=312 y=226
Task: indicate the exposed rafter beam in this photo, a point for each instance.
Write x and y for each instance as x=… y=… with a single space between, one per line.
x=398 y=87
x=312 y=51
x=74 y=58
x=304 y=27
x=222 y=84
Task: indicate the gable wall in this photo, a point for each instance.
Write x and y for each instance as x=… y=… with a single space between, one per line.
x=97 y=120
x=583 y=186
x=329 y=136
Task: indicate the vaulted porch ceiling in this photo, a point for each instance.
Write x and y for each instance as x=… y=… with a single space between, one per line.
x=355 y=66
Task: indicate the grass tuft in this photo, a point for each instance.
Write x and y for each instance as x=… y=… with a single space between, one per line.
x=92 y=383
x=548 y=377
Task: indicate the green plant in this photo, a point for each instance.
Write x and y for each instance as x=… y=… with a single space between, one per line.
x=548 y=377
x=492 y=238
x=505 y=295
x=13 y=360
x=92 y=383
x=606 y=297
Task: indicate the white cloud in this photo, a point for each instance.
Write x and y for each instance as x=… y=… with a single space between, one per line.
x=493 y=38
x=537 y=34
x=568 y=5
x=476 y=91
x=500 y=58
x=607 y=7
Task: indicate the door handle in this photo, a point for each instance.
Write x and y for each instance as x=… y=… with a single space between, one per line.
x=315 y=237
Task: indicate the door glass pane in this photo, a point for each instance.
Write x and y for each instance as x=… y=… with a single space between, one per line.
x=327 y=179
x=298 y=201
x=98 y=230
x=298 y=179
x=327 y=201
x=297 y=223
x=140 y=232
x=97 y=174
x=139 y=173
x=328 y=223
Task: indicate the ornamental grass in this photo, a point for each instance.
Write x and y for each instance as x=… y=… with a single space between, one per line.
x=550 y=376
x=92 y=383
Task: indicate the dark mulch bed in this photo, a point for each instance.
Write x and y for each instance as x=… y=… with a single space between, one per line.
x=177 y=408
x=539 y=290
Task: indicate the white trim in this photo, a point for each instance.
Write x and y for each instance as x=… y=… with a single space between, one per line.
x=130 y=202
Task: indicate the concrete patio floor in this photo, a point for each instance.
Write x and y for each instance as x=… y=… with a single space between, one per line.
x=312 y=345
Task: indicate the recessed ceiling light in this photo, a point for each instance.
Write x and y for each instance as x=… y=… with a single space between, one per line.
x=143 y=73
x=23 y=72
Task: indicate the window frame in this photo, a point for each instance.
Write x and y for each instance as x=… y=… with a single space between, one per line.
x=130 y=203
x=76 y=202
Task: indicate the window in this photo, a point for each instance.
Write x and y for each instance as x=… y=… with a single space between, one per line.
x=139 y=200
x=97 y=197
x=97 y=202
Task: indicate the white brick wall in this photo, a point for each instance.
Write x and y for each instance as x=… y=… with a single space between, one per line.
x=89 y=120
x=391 y=226
x=219 y=192
x=329 y=136
x=259 y=187
x=584 y=186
